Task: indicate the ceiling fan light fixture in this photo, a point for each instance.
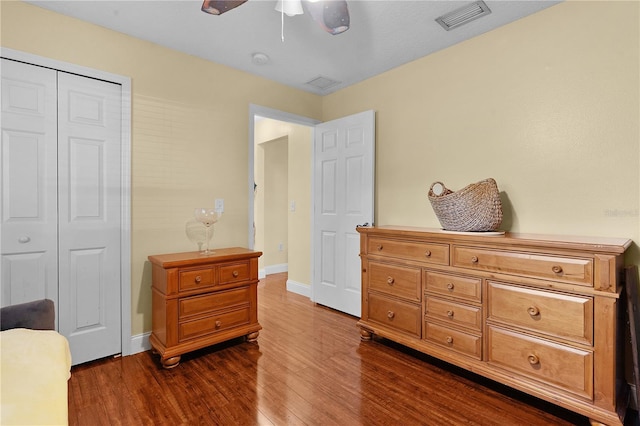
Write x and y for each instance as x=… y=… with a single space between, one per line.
x=289 y=7
x=332 y=16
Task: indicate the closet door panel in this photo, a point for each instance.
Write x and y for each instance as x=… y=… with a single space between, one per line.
x=28 y=184
x=89 y=152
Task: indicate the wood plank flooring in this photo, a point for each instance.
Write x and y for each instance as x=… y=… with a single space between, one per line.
x=308 y=367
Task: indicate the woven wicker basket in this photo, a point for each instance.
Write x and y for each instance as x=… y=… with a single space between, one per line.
x=474 y=208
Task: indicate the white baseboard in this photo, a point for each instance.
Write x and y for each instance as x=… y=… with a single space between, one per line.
x=140 y=343
x=299 y=288
x=273 y=269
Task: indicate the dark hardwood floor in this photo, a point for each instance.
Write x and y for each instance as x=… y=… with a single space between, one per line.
x=308 y=367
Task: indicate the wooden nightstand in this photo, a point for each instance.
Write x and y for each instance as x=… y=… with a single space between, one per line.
x=202 y=300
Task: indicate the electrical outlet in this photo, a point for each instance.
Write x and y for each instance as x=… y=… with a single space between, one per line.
x=280 y=247
x=292 y=206
x=220 y=205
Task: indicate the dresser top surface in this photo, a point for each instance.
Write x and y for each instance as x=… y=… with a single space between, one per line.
x=596 y=244
x=192 y=258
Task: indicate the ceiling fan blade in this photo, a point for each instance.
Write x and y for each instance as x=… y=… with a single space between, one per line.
x=218 y=7
x=331 y=15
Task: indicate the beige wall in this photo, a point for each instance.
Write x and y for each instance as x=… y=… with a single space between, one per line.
x=300 y=150
x=189 y=134
x=276 y=193
x=548 y=106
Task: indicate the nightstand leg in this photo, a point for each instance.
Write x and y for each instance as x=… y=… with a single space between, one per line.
x=252 y=337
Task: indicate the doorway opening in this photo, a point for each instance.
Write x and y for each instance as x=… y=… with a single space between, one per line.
x=280 y=194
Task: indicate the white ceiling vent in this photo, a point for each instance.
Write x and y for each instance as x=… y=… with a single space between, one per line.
x=322 y=83
x=463 y=15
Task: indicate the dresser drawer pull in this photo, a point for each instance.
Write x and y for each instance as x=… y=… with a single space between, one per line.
x=449 y=340
x=427 y=253
x=390 y=280
x=379 y=247
x=235 y=274
x=450 y=286
x=533 y=311
x=391 y=314
x=198 y=279
x=557 y=269
x=474 y=259
x=218 y=324
x=533 y=359
x=450 y=314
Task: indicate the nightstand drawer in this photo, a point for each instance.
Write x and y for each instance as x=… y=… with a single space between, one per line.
x=467 y=344
x=566 y=269
x=422 y=252
x=233 y=273
x=213 y=324
x=402 y=316
x=208 y=303
x=556 y=314
x=454 y=313
x=192 y=279
x=454 y=286
x=401 y=281
x=561 y=366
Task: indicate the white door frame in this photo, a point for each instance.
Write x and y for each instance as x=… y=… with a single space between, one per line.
x=125 y=213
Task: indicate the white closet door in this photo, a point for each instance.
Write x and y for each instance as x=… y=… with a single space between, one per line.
x=28 y=184
x=89 y=152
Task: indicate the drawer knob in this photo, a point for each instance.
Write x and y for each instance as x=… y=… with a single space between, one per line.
x=390 y=280
x=450 y=286
x=218 y=324
x=198 y=279
x=427 y=253
x=391 y=314
x=533 y=311
x=474 y=259
x=235 y=274
x=450 y=314
x=557 y=269
x=533 y=359
x=449 y=339
x=379 y=247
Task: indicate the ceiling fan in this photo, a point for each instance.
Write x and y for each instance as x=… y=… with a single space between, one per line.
x=331 y=15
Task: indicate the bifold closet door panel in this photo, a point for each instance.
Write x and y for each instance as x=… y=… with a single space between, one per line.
x=89 y=163
x=29 y=184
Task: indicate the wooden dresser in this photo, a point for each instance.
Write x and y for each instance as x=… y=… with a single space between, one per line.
x=202 y=300
x=541 y=314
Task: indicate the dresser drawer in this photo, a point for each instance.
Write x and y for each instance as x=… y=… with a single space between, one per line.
x=399 y=315
x=401 y=281
x=572 y=270
x=422 y=252
x=561 y=366
x=454 y=313
x=555 y=314
x=467 y=344
x=234 y=272
x=212 y=324
x=192 y=279
x=454 y=286
x=208 y=303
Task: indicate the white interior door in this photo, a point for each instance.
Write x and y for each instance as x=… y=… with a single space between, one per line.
x=344 y=159
x=29 y=184
x=61 y=202
x=89 y=151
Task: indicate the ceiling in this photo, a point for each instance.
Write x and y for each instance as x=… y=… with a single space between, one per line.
x=384 y=34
